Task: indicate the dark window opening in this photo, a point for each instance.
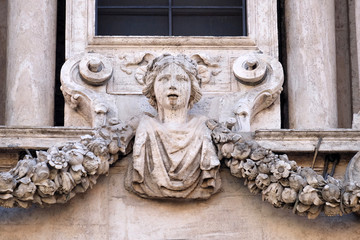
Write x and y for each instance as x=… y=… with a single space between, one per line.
x=284 y=100
x=171 y=17
x=60 y=60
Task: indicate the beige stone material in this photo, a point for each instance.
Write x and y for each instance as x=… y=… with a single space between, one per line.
x=31 y=43
x=311 y=61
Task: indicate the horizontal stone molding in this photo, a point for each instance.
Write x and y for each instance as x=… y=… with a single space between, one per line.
x=38 y=137
x=285 y=140
x=336 y=140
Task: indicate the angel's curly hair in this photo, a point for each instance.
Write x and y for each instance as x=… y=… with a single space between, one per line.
x=160 y=63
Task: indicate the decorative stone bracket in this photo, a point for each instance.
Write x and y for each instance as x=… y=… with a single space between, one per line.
x=265 y=76
x=99 y=87
x=82 y=77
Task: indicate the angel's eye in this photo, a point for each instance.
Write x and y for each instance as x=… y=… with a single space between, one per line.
x=182 y=78
x=163 y=79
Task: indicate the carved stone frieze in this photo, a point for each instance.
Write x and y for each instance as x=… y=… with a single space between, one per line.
x=176 y=154
x=137 y=65
x=98 y=87
x=57 y=175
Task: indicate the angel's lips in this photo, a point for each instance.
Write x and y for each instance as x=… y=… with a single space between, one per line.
x=172 y=96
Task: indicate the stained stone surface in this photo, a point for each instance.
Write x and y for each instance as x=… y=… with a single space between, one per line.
x=108 y=211
x=343 y=65
x=3 y=29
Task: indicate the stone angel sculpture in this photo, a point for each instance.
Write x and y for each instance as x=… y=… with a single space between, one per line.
x=173 y=153
x=176 y=155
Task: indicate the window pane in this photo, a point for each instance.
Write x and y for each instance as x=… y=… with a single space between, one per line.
x=207 y=25
x=151 y=17
x=136 y=25
x=207 y=3
x=132 y=2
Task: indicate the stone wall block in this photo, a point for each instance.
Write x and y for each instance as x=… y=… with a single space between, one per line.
x=31 y=44
x=310 y=41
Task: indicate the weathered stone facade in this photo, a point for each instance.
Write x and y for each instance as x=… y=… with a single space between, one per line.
x=322 y=45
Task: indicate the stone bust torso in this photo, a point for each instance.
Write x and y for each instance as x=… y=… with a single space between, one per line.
x=173 y=154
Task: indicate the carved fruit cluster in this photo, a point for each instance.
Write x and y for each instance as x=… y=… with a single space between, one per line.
x=57 y=175
x=281 y=181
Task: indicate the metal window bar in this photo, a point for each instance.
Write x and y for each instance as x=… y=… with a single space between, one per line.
x=244 y=18
x=170 y=7
x=170 y=18
x=173 y=7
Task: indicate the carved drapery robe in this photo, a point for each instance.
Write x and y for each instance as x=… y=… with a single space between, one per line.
x=173 y=161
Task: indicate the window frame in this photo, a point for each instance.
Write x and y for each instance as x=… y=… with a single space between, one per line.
x=261 y=28
x=169 y=11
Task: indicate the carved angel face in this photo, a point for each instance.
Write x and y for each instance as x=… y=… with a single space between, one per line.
x=158 y=66
x=172 y=88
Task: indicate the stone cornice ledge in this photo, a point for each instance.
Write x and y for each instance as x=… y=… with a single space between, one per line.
x=284 y=140
x=39 y=137
x=287 y=140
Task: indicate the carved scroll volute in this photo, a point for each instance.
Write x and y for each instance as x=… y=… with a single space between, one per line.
x=95 y=69
x=83 y=82
x=262 y=76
